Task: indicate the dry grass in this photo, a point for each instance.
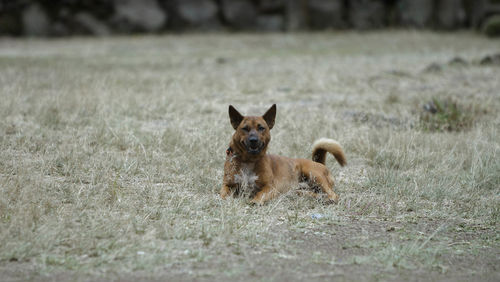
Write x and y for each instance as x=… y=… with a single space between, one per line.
x=111 y=156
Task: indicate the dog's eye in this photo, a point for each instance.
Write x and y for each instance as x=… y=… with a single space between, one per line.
x=261 y=128
x=246 y=128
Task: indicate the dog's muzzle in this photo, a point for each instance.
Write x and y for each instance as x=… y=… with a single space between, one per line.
x=253 y=145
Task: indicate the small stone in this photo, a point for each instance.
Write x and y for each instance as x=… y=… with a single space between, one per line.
x=434 y=67
x=490 y=60
x=317 y=216
x=457 y=61
x=221 y=60
x=430 y=107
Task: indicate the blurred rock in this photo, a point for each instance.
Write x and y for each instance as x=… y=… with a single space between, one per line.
x=270 y=23
x=430 y=107
x=222 y=60
x=62 y=29
x=35 y=21
x=433 y=68
x=491 y=60
x=413 y=13
x=491 y=26
x=366 y=14
x=478 y=11
x=239 y=14
x=102 y=17
x=325 y=14
x=10 y=18
x=138 y=15
x=271 y=5
x=10 y=24
x=296 y=14
x=450 y=14
x=91 y=25
x=199 y=14
x=317 y=216
x=457 y=61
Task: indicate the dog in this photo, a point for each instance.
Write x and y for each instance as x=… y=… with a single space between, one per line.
x=248 y=166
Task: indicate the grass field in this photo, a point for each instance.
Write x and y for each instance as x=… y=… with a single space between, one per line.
x=112 y=151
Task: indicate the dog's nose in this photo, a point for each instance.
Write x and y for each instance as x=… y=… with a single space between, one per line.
x=253 y=139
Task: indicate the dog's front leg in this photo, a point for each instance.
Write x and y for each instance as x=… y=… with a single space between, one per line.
x=265 y=194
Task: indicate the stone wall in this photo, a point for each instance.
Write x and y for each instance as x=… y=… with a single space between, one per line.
x=104 y=17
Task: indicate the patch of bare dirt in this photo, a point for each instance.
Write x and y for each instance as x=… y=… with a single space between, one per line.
x=341 y=252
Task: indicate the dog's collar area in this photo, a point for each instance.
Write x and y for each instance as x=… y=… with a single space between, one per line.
x=230 y=154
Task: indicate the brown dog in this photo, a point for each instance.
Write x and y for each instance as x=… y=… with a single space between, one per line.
x=249 y=168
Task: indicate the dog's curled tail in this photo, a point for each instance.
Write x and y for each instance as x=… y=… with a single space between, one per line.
x=323 y=145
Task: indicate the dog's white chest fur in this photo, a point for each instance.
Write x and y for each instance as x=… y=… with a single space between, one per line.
x=247 y=177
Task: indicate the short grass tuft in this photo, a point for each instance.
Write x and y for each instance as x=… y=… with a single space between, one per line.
x=446 y=114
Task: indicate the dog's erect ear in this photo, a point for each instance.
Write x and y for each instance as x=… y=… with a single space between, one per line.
x=235 y=117
x=270 y=115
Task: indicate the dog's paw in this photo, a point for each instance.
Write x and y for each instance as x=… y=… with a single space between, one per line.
x=334 y=199
x=224 y=192
x=255 y=202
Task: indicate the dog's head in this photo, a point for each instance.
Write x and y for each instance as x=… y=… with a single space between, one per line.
x=252 y=134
